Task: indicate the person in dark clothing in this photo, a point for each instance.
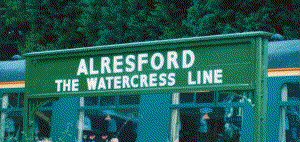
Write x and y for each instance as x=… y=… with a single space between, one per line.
x=111 y=126
x=92 y=137
x=203 y=128
x=104 y=137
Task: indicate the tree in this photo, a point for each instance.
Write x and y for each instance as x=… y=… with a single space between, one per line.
x=90 y=20
x=117 y=21
x=54 y=25
x=167 y=18
x=220 y=17
x=38 y=25
x=14 y=26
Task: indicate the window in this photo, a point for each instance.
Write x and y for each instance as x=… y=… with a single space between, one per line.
x=12 y=121
x=129 y=99
x=112 y=100
x=91 y=101
x=43 y=125
x=187 y=97
x=196 y=120
x=107 y=101
x=15 y=100
x=290 y=112
x=110 y=116
x=210 y=124
x=205 y=97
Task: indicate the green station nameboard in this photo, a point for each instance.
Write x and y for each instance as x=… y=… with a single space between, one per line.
x=222 y=62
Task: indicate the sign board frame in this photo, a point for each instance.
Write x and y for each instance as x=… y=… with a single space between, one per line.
x=41 y=67
x=232 y=55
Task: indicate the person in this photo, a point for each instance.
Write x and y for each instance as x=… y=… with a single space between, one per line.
x=111 y=126
x=92 y=138
x=203 y=128
x=104 y=137
x=87 y=124
x=114 y=140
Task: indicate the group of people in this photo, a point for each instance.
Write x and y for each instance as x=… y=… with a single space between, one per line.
x=104 y=137
x=109 y=135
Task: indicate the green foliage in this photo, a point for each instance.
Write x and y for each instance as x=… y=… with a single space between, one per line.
x=208 y=17
x=111 y=22
x=55 y=25
x=167 y=18
x=13 y=27
x=37 y=25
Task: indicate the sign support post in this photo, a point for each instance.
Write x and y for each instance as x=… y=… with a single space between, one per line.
x=260 y=98
x=28 y=120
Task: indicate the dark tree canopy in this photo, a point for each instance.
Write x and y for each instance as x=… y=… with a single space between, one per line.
x=38 y=25
x=228 y=16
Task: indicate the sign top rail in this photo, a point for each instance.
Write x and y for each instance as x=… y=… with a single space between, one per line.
x=149 y=43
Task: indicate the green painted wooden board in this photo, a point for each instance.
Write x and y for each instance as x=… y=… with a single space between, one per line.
x=222 y=62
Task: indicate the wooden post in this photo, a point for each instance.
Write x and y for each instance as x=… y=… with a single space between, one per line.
x=175 y=122
x=81 y=120
x=3 y=116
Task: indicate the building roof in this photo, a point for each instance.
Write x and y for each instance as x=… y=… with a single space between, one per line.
x=282 y=54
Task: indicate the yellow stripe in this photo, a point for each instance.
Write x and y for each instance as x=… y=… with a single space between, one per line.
x=284 y=72
x=271 y=73
x=15 y=84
